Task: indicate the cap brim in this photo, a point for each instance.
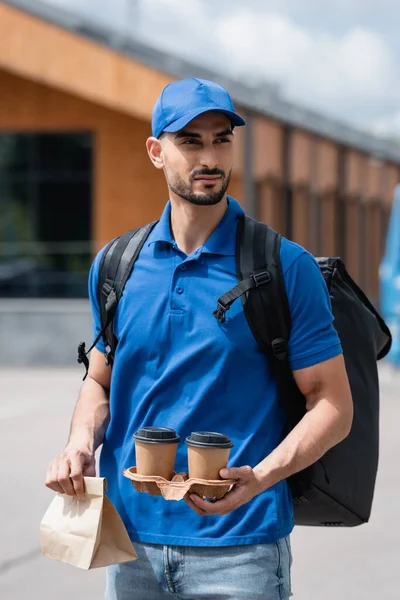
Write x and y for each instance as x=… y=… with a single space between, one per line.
x=179 y=124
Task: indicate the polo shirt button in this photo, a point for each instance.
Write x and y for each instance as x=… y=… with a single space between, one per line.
x=179 y=290
x=183 y=267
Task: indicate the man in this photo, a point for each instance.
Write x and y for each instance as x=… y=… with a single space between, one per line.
x=176 y=366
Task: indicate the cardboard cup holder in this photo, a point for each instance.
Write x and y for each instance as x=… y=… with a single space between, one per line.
x=179 y=486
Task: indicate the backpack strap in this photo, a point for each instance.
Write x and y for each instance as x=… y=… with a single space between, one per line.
x=115 y=268
x=262 y=289
x=267 y=308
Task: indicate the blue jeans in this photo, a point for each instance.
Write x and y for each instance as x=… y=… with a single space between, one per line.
x=203 y=573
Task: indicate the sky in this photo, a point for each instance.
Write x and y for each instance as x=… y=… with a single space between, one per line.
x=340 y=58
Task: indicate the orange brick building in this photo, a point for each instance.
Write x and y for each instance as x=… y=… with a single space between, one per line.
x=318 y=182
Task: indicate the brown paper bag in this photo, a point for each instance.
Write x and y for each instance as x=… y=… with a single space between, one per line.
x=86 y=533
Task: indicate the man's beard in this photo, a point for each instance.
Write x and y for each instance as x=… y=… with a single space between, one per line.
x=184 y=190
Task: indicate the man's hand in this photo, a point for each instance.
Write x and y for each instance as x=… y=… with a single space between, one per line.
x=65 y=474
x=247 y=487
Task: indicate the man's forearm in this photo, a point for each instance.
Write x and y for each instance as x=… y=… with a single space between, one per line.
x=320 y=429
x=91 y=417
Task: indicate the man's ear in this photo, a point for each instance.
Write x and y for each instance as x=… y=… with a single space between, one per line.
x=154 y=150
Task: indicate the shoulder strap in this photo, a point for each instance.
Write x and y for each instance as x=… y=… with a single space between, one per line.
x=267 y=307
x=113 y=275
x=115 y=268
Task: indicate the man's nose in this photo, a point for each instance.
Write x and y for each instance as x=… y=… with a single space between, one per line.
x=209 y=158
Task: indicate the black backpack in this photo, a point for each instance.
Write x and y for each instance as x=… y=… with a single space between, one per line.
x=338 y=489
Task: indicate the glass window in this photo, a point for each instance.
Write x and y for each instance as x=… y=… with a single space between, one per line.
x=45 y=208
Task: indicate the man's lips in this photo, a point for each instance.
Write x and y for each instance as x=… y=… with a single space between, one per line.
x=208 y=178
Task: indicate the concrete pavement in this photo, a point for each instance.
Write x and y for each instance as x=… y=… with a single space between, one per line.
x=35 y=411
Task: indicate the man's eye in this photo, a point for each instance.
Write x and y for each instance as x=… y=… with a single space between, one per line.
x=191 y=141
x=222 y=140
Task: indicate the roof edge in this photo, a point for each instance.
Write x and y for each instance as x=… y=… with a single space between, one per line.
x=264 y=99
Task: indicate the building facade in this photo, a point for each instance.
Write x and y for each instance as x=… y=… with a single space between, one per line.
x=75 y=111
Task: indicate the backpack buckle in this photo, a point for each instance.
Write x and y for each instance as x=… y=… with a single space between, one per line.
x=106 y=289
x=261 y=278
x=279 y=348
x=82 y=358
x=220 y=312
x=107 y=354
x=111 y=302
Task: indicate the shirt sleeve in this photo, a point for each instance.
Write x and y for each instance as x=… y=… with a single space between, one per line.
x=313 y=338
x=94 y=299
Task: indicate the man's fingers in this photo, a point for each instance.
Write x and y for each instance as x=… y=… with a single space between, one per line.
x=230 y=502
x=52 y=478
x=89 y=469
x=192 y=505
x=64 y=479
x=206 y=507
x=236 y=472
x=77 y=476
x=65 y=474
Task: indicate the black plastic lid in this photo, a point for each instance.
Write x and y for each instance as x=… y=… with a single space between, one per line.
x=157 y=435
x=209 y=439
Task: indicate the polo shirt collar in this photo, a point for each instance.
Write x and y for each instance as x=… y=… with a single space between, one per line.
x=222 y=240
x=162 y=231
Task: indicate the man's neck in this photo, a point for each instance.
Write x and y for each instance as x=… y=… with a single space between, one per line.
x=192 y=225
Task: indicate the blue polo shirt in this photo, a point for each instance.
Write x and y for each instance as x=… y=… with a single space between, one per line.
x=177 y=366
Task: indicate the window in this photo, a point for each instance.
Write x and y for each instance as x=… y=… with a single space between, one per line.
x=45 y=209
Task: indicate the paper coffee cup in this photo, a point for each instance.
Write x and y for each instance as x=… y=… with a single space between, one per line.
x=208 y=453
x=156 y=451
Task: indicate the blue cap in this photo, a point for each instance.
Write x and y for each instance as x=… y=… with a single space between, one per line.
x=182 y=101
